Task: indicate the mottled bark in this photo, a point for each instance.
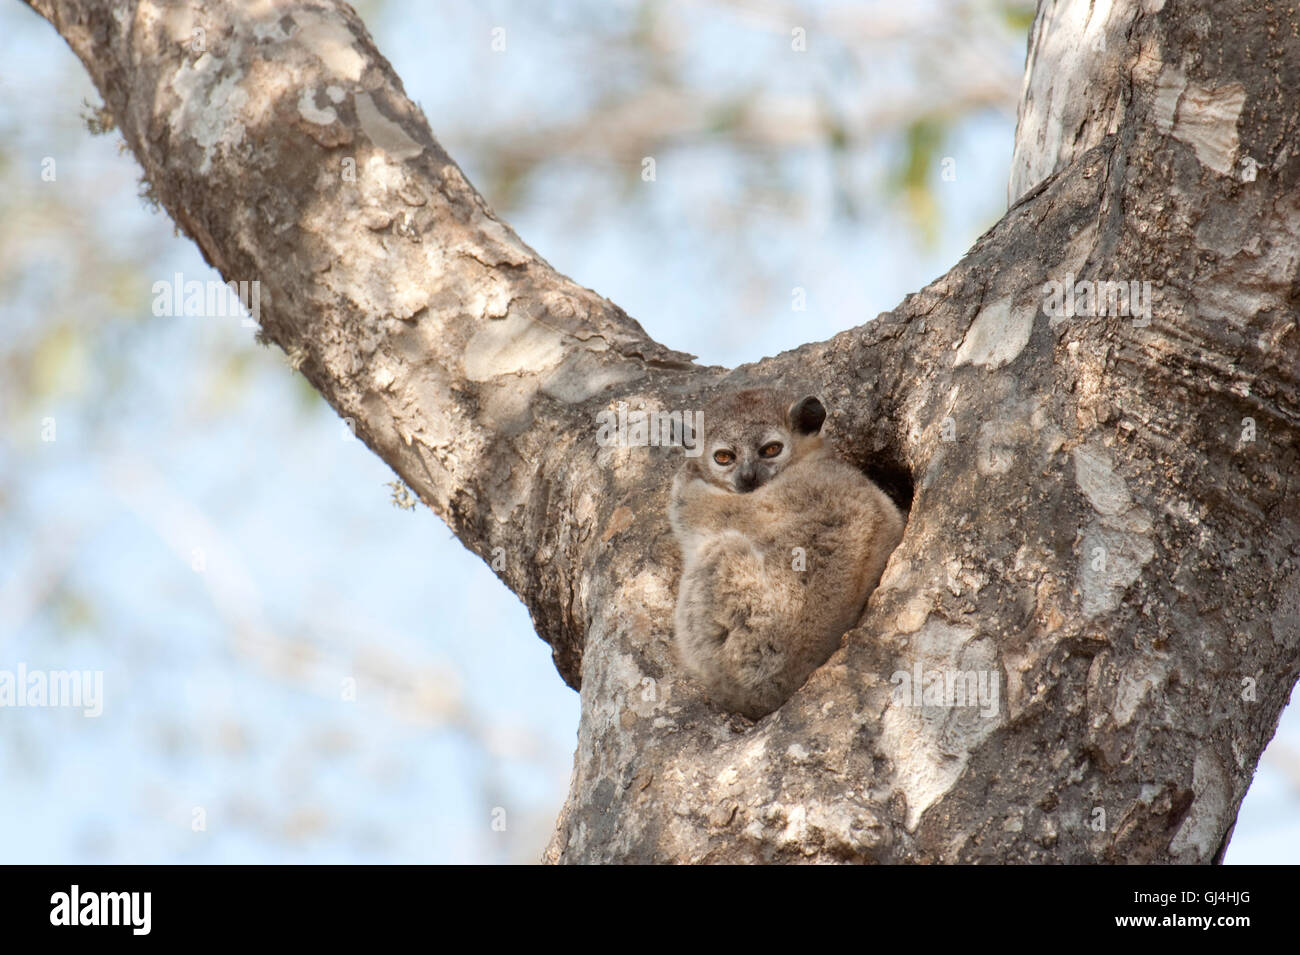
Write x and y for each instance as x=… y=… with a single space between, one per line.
x=1103 y=515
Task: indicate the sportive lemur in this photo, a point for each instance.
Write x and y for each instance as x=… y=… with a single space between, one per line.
x=782 y=541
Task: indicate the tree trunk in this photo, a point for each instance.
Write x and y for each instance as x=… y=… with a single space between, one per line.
x=1103 y=529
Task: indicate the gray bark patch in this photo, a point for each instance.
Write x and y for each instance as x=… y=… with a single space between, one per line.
x=997 y=336
x=1202 y=117
x=1116 y=544
x=1198 y=836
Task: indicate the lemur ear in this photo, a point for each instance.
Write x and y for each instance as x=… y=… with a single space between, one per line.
x=807 y=415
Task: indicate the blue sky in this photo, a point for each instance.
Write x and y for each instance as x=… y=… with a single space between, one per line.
x=216 y=544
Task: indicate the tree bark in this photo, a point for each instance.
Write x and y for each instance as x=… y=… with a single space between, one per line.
x=1103 y=515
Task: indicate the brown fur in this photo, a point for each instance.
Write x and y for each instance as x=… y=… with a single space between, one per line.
x=749 y=625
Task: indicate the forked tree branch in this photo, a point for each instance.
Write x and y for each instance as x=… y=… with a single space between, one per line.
x=1095 y=530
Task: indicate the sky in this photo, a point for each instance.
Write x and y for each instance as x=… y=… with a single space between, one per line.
x=295 y=669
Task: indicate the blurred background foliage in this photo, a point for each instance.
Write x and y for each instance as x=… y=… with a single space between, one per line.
x=206 y=532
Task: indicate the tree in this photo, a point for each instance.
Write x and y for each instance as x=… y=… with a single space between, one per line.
x=1094 y=418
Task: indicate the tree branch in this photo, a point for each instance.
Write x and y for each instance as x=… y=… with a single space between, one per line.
x=458 y=355
x=1091 y=529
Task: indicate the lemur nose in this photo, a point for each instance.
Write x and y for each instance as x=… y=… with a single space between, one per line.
x=746 y=478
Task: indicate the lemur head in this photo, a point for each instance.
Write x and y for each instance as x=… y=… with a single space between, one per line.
x=752 y=436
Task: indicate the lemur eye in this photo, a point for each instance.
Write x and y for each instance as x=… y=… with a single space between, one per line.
x=723 y=457
x=771 y=450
